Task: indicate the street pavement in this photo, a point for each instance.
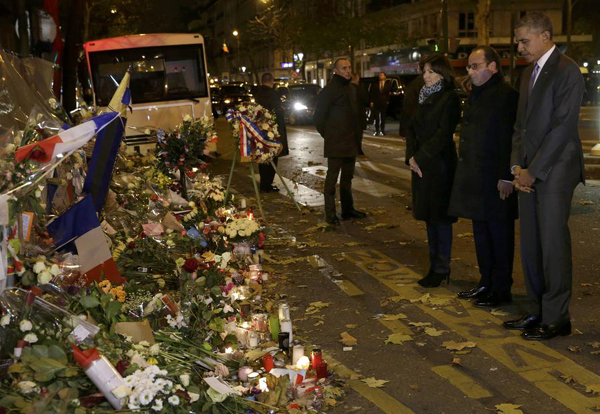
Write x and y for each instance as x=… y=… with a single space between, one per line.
x=361 y=280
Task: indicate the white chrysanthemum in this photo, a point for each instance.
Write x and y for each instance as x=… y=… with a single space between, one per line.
x=39 y=267
x=31 y=338
x=44 y=277
x=25 y=325
x=185 y=379
x=173 y=400
x=158 y=405
x=155 y=349
x=146 y=397
x=5 y=321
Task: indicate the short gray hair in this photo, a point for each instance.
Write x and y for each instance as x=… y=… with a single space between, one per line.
x=537 y=21
x=337 y=60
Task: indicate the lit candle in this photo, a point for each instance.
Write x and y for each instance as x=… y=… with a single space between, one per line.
x=229 y=350
x=317 y=358
x=268 y=362
x=303 y=363
x=252 y=340
x=243 y=203
x=322 y=370
x=297 y=353
x=284 y=311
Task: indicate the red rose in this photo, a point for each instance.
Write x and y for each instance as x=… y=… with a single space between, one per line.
x=191 y=265
x=153 y=197
x=131 y=245
x=37 y=154
x=122 y=366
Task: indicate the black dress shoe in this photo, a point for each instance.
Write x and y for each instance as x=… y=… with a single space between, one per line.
x=526 y=323
x=333 y=221
x=434 y=279
x=475 y=293
x=353 y=214
x=493 y=300
x=543 y=332
x=270 y=189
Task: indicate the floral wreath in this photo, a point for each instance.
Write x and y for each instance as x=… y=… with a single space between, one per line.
x=255 y=129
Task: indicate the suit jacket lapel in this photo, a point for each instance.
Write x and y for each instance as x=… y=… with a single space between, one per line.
x=544 y=79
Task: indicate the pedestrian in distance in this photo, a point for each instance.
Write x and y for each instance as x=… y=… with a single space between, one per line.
x=379 y=100
x=483 y=189
x=547 y=161
x=337 y=120
x=431 y=156
x=269 y=99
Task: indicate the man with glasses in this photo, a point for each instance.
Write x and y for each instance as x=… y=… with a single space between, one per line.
x=483 y=189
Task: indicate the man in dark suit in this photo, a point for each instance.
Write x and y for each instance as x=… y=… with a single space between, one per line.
x=338 y=121
x=380 y=98
x=483 y=189
x=547 y=164
x=269 y=99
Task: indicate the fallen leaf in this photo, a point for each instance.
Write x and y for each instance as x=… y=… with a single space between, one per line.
x=433 y=332
x=440 y=301
x=347 y=339
x=508 y=409
x=351 y=326
x=320 y=304
x=586 y=202
x=594 y=389
x=457 y=361
x=374 y=383
x=421 y=343
x=462 y=235
x=419 y=324
x=587 y=284
x=567 y=379
x=594 y=345
x=398 y=339
x=595 y=353
x=393 y=317
x=319 y=323
x=352 y=244
x=376 y=226
x=414 y=387
x=498 y=312
x=303 y=286
x=422 y=299
x=574 y=348
x=458 y=346
x=396 y=299
x=463 y=352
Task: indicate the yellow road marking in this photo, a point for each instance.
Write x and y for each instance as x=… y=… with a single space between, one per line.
x=397 y=327
x=461 y=381
x=385 y=402
x=533 y=361
x=349 y=288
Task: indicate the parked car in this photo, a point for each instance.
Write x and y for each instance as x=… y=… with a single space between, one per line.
x=399 y=84
x=299 y=102
x=232 y=95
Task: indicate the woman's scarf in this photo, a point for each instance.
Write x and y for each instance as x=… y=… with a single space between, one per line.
x=426 y=91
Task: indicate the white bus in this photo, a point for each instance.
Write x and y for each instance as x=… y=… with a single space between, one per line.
x=168 y=80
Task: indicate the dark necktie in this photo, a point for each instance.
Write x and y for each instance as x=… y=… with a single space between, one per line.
x=533 y=76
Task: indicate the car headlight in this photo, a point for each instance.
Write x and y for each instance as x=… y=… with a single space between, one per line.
x=227 y=101
x=300 y=106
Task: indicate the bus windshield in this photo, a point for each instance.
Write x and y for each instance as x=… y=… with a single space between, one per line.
x=164 y=73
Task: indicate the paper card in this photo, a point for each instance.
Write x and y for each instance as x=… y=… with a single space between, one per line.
x=27 y=225
x=4 y=217
x=80 y=333
x=138 y=331
x=108 y=229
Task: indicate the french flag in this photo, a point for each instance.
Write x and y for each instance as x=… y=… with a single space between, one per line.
x=78 y=230
x=68 y=140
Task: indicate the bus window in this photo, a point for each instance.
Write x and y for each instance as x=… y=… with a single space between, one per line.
x=163 y=73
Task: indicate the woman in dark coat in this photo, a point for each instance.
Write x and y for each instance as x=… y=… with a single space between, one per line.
x=431 y=155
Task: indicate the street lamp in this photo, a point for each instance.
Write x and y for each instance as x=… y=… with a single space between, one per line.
x=236 y=34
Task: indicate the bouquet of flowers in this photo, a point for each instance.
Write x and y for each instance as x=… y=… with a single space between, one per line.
x=255 y=129
x=241 y=228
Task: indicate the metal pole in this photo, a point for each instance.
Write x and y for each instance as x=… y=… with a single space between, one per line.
x=444 y=26
x=235 y=153
x=262 y=213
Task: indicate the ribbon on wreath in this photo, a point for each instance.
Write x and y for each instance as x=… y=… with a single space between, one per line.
x=249 y=133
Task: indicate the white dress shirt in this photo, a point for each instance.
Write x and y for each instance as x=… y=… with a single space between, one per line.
x=542 y=61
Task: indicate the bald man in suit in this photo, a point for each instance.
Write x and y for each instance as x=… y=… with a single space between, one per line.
x=547 y=162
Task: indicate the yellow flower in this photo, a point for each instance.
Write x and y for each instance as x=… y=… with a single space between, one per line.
x=152 y=361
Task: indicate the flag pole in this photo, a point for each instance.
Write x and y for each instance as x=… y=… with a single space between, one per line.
x=262 y=213
x=285 y=185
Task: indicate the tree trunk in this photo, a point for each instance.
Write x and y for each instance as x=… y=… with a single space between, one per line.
x=74 y=40
x=483 y=22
